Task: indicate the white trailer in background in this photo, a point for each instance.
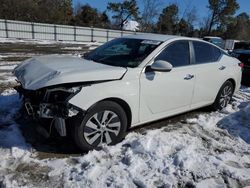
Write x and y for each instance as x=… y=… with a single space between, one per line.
x=229 y=44
x=131 y=25
x=218 y=41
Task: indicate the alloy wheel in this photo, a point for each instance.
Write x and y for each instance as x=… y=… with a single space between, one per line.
x=102 y=128
x=226 y=95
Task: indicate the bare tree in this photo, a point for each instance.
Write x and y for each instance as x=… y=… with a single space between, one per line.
x=186 y=23
x=239 y=29
x=151 y=11
x=220 y=11
x=77 y=7
x=205 y=24
x=191 y=16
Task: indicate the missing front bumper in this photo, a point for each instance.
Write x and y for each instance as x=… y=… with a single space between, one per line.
x=49 y=110
x=58 y=113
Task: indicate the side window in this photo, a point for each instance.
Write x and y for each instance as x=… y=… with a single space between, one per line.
x=177 y=54
x=205 y=53
x=217 y=53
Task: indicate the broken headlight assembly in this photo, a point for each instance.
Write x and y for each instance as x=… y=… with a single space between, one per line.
x=55 y=103
x=51 y=102
x=60 y=94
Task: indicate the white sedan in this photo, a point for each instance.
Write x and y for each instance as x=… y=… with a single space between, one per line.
x=126 y=82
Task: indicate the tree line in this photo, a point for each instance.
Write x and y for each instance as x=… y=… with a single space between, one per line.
x=220 y=21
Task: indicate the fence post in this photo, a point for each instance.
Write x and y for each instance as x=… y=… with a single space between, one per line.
x=92 y=34
x=32 y=30
x=6 y=28
x=107 y=35
x=74 y=33
x=55 y=33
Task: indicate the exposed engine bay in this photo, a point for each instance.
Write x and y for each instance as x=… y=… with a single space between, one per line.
x=50 y=103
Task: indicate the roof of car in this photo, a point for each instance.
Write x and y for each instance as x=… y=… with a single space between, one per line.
x=212 y=37
x=163 y=38
x=158 y=37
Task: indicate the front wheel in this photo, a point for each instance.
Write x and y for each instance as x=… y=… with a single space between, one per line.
x=224 y=96
x=104 y=123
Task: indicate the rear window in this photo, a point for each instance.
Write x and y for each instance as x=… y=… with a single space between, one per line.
x=217 y=41
x=205 y=53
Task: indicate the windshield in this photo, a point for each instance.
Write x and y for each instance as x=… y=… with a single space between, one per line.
x=123 y=52
x=242 y=46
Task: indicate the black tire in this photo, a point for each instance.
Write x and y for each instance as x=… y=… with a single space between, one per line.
x=224 y=96
x=87 y=128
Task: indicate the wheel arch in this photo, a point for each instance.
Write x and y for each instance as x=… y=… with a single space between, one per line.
x=232 y=81
x=215 y=105
x=125 y=107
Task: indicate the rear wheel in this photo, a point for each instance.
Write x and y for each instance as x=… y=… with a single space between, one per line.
x=224 y=96
x=104 y=123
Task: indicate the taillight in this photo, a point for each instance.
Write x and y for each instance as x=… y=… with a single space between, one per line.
x=241 y=65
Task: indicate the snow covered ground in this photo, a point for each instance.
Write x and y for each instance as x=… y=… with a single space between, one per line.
x=209 y=149
x=36 y=41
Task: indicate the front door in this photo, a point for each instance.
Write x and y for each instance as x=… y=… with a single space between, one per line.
x=167 y=93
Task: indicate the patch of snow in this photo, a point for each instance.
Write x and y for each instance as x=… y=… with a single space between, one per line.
x=89 y=44
x=9 y=92
x=10 y=134
x=92 y=47
x=18 y=54
x=200 y=152
x=13 y=148
x=7 y=77
x=9 y=63
x=72 y=48
x=196 y=154
x=238 y=124
x=245 y=89
x=44 y=42
x=7 y=67
x=211 y=183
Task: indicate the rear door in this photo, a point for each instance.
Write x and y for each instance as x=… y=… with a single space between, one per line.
x=210 y=73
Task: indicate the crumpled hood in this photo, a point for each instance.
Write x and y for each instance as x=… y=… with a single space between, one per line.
x=43 y=71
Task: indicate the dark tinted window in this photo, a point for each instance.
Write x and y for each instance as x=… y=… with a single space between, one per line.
x=217 y=53
x=177 y=54
x=242 y=46
x=206 y=53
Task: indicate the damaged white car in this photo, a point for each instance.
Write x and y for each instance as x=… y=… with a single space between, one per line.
x=126 y=82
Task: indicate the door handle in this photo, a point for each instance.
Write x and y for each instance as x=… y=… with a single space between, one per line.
x=222 y=68
x=189 y=77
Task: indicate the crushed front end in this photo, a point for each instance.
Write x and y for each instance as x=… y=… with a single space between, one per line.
x=50 y=103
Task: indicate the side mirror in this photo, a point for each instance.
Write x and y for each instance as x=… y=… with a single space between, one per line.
x=161 y=66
